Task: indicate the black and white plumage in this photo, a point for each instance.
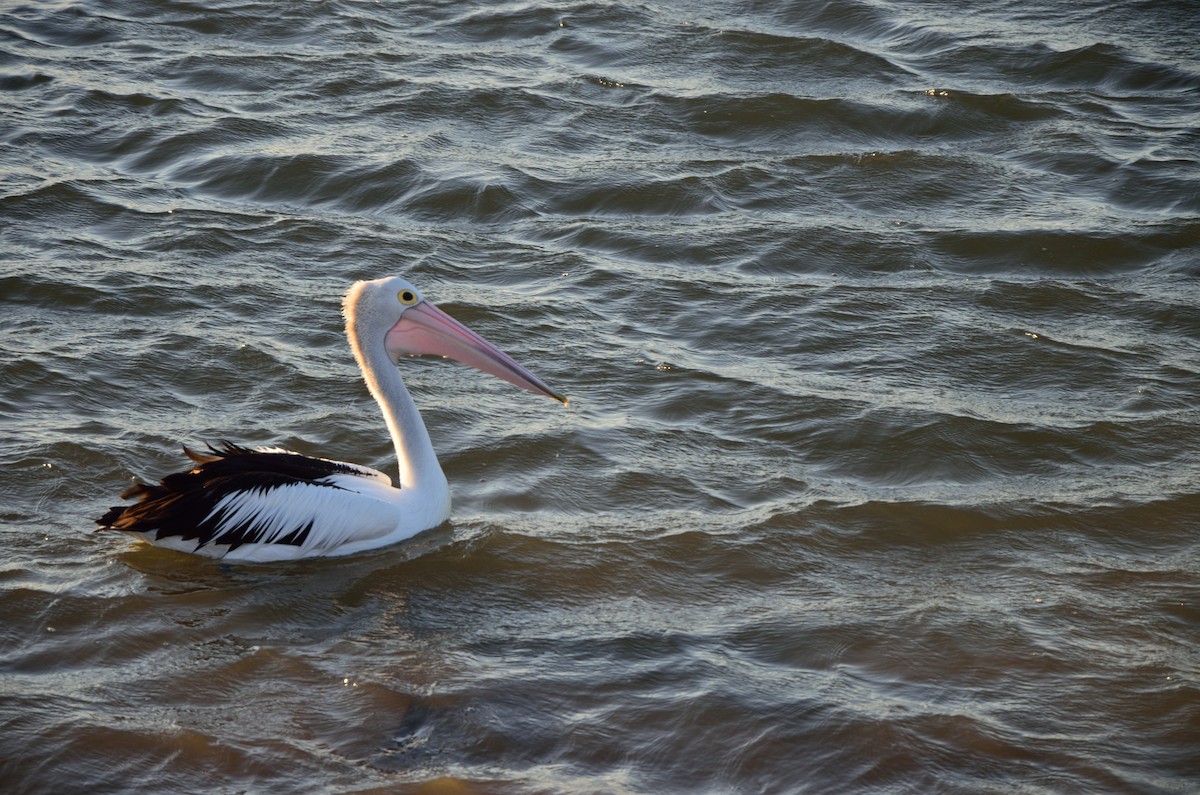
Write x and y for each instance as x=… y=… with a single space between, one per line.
x=270 y=504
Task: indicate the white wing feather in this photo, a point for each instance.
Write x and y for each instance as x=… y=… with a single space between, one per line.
x=357 y=512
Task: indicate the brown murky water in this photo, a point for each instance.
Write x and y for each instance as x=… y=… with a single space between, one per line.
x=880 y=326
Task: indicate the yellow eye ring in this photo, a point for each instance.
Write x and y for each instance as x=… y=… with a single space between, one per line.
x=407 y=297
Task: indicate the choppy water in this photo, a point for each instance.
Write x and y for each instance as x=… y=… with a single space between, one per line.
x=881 y=325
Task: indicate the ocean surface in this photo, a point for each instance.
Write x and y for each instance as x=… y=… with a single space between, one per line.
x=880 y=321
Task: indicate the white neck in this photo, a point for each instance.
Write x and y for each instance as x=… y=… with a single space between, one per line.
x=418 y=462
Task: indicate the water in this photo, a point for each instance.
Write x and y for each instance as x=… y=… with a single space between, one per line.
x=880 y=325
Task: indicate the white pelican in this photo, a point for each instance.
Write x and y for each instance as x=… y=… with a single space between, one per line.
x=271 y=504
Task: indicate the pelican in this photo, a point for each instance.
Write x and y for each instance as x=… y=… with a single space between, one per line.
x=270 y=504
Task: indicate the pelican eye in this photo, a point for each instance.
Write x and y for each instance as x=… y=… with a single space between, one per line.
x=407 y=297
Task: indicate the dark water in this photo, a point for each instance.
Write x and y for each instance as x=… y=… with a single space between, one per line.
x=881 y=324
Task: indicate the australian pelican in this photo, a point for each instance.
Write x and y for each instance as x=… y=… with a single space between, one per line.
x=272 y=504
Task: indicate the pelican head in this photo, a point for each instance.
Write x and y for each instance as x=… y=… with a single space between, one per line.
x=393 y=313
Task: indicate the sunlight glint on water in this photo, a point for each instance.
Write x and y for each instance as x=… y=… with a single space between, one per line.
x=878 y=323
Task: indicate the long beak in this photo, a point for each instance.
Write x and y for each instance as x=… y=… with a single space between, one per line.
x=426 y=330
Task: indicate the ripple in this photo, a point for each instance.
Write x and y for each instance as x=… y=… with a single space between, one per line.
x=770 y=55
x=1054 y=252
x=879 y=328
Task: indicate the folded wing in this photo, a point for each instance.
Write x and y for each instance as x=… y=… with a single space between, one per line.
x=236 y=496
